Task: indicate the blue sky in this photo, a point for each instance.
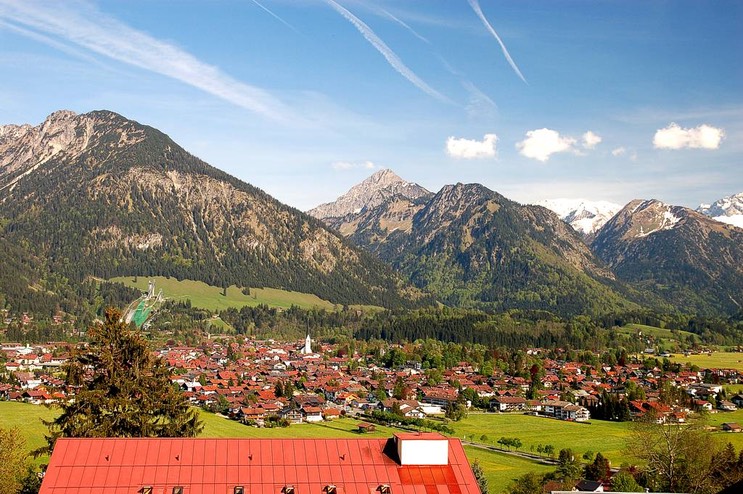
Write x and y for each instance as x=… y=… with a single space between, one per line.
x=602 y=100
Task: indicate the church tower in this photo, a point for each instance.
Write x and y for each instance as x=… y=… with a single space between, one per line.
x=307 y=350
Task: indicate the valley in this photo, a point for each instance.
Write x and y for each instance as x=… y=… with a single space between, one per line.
x=438 y=310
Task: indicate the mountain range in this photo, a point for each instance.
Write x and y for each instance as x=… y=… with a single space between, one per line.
x=729 y=210
x=689 y=259
x=586 y=217
x=470 y=246
x=99 y=195
x=96 y=196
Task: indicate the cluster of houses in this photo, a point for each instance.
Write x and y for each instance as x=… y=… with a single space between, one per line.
x=258 y=382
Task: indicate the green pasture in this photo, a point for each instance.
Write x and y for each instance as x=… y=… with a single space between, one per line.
x=216 y=426
x=664 y=338
x=212 y=298
x=717 y=419
x=607 y=437
x=653 y=331
x=501 y=468
x=717 y=360
x=28 y=420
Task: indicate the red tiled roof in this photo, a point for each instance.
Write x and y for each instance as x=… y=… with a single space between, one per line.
x=262 y=466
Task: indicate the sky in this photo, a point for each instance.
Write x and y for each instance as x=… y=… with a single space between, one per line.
x=592 y=99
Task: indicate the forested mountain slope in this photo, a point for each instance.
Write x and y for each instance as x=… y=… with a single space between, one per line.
x=97 y=194
x=473 y=247
x=691 y=260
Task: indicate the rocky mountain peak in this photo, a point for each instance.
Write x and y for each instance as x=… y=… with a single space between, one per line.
x=586 y=217
x=370 y=193
x=384 y=177
x=24 y=149
x=729 y=210
x=641 y=217
x=685 y=257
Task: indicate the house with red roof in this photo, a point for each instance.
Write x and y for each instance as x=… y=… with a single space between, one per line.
x=408 y=463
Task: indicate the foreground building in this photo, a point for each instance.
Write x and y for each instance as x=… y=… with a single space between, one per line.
x=409 y=463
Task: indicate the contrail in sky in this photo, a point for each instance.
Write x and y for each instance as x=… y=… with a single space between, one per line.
x=275 y=16
x=85 y=26
x=387 y=52
x=476 y=7
x=403 y=24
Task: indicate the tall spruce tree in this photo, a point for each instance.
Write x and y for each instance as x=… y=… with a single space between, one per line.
x=121 y=390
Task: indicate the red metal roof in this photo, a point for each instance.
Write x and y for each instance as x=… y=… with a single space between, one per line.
x=262 y=466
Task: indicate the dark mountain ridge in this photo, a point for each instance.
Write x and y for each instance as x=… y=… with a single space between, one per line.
x=97 y=194
x=691 y=260
x=473 y=247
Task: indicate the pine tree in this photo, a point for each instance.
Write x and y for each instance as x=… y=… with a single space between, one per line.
x=122 y=390
x=482 y=481
x=13 y=460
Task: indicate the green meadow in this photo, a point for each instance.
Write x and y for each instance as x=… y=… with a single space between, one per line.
x=664 y=338
x=717 y=360
x=607 y=437
x=28 y=420
x=212 y=298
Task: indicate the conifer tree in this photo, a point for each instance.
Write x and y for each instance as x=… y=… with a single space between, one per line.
x=121 y=390
x=13 y=462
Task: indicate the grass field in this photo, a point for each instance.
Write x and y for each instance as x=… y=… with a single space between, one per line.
x=28 y=420
x=607 y=437
x=211 y=297
x=664 y=338
x=717 y=360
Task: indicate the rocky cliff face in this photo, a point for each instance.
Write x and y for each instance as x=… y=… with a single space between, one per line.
x=691 y=260
x=97 y=194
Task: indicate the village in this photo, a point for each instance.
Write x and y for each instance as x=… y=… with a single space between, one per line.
x=270 y=383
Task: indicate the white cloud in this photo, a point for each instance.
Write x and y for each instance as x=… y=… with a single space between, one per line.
x=462 y=148
x=591 y=140
x=675 y=137
x=350 y=165
x=540 y=144
x=83 y=25
x=620 y=151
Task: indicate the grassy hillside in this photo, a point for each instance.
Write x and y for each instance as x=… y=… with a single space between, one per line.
x=211 y=297
x=663 y=338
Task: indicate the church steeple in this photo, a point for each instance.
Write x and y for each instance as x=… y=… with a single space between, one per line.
x=307 y=345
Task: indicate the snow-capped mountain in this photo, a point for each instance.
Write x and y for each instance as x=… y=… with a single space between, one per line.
x=727 y=210
x=586 y=217
x=685 y=257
